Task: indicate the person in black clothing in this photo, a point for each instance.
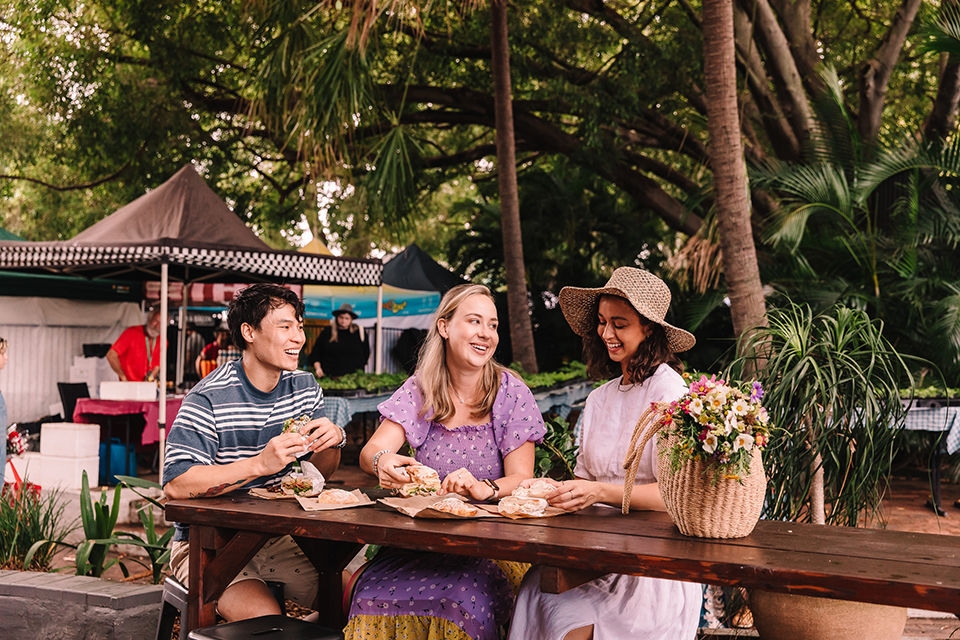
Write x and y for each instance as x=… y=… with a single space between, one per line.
x=342 y=347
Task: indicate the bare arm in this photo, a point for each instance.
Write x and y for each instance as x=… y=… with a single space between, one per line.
x=389 y=437
x=207 y=480
x=517 y=466
x=573 y=495
x=113 y=359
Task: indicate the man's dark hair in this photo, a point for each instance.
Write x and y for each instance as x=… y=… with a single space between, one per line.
x=251 y=305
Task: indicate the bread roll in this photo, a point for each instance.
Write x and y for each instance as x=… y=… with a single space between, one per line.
x=520 y=506
x=539 y=488
x=338 y=497
x=455 y=506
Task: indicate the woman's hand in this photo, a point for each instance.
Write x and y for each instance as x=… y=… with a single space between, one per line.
x=463 y=483
x=392 y=470
x=573 y=495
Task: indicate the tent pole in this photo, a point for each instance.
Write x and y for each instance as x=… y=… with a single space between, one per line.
x=181 y=334
x=162 y=409
x=378 y=360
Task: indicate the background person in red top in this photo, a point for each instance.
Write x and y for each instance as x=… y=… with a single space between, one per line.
x=135 y=356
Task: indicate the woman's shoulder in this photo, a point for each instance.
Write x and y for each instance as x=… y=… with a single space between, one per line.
x=513 y=383
x=665 y=382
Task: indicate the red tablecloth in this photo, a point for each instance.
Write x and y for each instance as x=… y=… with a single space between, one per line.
x=88 y=408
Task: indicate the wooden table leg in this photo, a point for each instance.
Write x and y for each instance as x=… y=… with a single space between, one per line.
x=216 y=557
x=330 y=559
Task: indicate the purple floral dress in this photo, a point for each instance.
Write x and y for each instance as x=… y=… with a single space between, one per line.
x=413 y=589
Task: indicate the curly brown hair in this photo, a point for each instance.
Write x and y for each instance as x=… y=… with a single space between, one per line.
x=651 y=353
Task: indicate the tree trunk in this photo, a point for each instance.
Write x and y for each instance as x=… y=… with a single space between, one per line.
x=521 y=330
x=875 y=74
x=747 y=307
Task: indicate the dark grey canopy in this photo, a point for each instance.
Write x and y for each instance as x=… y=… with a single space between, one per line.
x=184 y=224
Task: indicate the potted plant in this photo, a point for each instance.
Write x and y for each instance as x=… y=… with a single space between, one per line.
x=833 y=391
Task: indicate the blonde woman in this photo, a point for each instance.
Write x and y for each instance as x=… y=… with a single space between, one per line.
x=342 y=347
x=475 y=423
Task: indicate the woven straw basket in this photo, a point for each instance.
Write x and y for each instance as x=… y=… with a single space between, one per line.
x=704 y=506
x=699 y=502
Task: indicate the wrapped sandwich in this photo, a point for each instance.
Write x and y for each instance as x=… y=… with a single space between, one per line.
x=295 y=424
x=307 y=482
x=424 y=481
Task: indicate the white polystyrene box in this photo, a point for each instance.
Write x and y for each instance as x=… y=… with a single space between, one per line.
x=69 y=439
x=117 y=390
x=64 y=473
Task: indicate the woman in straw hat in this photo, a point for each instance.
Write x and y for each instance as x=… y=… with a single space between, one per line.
x=342 y=347
x=624 y=335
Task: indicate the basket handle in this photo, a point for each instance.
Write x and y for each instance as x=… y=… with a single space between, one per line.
x=647 y=426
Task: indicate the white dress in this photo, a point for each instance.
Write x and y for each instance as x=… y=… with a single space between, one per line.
x=618 y=606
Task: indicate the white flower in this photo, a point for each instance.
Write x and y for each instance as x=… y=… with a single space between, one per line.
x=743 y=441
x=740 y=406
x=730 y=423
x=716 y=399
x=710 y=443
x=695 y=407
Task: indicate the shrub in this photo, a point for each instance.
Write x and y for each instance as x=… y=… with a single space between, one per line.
x=28 y=517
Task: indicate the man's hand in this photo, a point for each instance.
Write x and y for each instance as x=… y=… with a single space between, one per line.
x=322 y=434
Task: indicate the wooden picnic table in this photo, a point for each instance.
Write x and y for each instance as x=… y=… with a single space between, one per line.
x=869 y=565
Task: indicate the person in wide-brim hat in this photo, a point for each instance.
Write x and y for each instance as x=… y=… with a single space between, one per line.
x=627 y=342
x=645 y=292
x=346 y=307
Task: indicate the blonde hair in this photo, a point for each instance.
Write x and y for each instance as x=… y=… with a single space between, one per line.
x=353 y=328
x=432 y=373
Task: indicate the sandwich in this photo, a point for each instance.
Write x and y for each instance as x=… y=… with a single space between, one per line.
x=295 y=424
x=539 y=488
x=338 y=497
x=455 y=506
x=296 y=484
x=424 y=481
x=520 y=506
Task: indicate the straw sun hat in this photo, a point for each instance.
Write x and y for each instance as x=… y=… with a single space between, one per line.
x=644 y=291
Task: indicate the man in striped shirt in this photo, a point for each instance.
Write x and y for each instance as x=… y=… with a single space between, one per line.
x=228 y=435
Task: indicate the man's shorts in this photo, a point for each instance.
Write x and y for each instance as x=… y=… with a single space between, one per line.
x=279 y=560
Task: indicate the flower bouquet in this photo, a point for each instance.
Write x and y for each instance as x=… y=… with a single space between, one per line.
x=709 y=467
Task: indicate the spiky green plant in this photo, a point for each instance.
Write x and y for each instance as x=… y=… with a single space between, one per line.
x=27 y=518
x=833 y=393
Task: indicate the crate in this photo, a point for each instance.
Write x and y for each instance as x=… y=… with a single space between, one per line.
x=116 y=390
x=69 y=439
x=58 y=471
x=118 y=467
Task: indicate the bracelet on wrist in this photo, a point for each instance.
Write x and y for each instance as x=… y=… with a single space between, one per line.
x=376 y=461
x=343 y=436
x=496 y=489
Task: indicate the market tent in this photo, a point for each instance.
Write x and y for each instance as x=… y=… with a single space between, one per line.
x=395 y=303
x=181 y=230
x=413 y=268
